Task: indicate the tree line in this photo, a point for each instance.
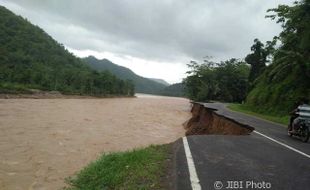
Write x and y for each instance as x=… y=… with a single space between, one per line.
x=225 y=81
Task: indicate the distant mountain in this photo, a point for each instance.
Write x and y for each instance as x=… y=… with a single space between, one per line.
x=160 y=81
x=31 y=59
x=142 y=85
x=177 y=89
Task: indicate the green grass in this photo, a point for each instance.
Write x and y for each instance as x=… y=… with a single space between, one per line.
x=137 y=169
x=267 y=116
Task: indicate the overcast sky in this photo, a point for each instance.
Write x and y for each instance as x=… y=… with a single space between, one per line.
x=153 y=38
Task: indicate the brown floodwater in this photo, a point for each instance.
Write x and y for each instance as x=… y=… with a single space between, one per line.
x=43 y=141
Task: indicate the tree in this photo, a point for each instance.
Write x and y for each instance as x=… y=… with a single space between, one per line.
x=286 y=79
x=257 y=59
x=225 y=81
x=295 y=38
x=232 y=77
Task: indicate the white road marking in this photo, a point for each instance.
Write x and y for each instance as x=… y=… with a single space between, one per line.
x=191 y=166
x=285 y=145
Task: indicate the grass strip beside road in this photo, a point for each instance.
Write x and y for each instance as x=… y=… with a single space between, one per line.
x=136 y=169
x=284 y=120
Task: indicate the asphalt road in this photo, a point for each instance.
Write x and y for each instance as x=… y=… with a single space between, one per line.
x=245 y=162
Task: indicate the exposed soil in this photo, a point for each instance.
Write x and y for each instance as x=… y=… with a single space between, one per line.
x=206 y=121
x=43 y=141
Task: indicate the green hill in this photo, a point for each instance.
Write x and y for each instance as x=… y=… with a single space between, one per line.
x=142 y=85
x=30 y=58
x=160 y=81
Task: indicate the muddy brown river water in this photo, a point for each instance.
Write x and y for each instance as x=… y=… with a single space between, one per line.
x=43 y=141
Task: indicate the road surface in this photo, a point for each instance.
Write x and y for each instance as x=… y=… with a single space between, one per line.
x=266 y=159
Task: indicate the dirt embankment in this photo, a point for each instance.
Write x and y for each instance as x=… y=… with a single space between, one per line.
x=206 y=121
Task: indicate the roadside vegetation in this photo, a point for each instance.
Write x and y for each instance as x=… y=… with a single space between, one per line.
x=248 y=110
x=132 y=170
x=286 y=79
x=223 y=81
x=271 y=79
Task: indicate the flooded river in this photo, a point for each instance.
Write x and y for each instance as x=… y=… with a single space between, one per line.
x=43 y=141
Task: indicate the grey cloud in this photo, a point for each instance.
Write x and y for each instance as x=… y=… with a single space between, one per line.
x=168 y=30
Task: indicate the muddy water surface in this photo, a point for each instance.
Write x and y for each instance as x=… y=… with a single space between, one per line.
x=43 y=141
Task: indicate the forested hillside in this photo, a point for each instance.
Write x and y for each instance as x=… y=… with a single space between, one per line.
x=142 y=85
x=177 y=90
x=287 y=79
x=160 y=81
x=275 y=75
x=30 y=58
